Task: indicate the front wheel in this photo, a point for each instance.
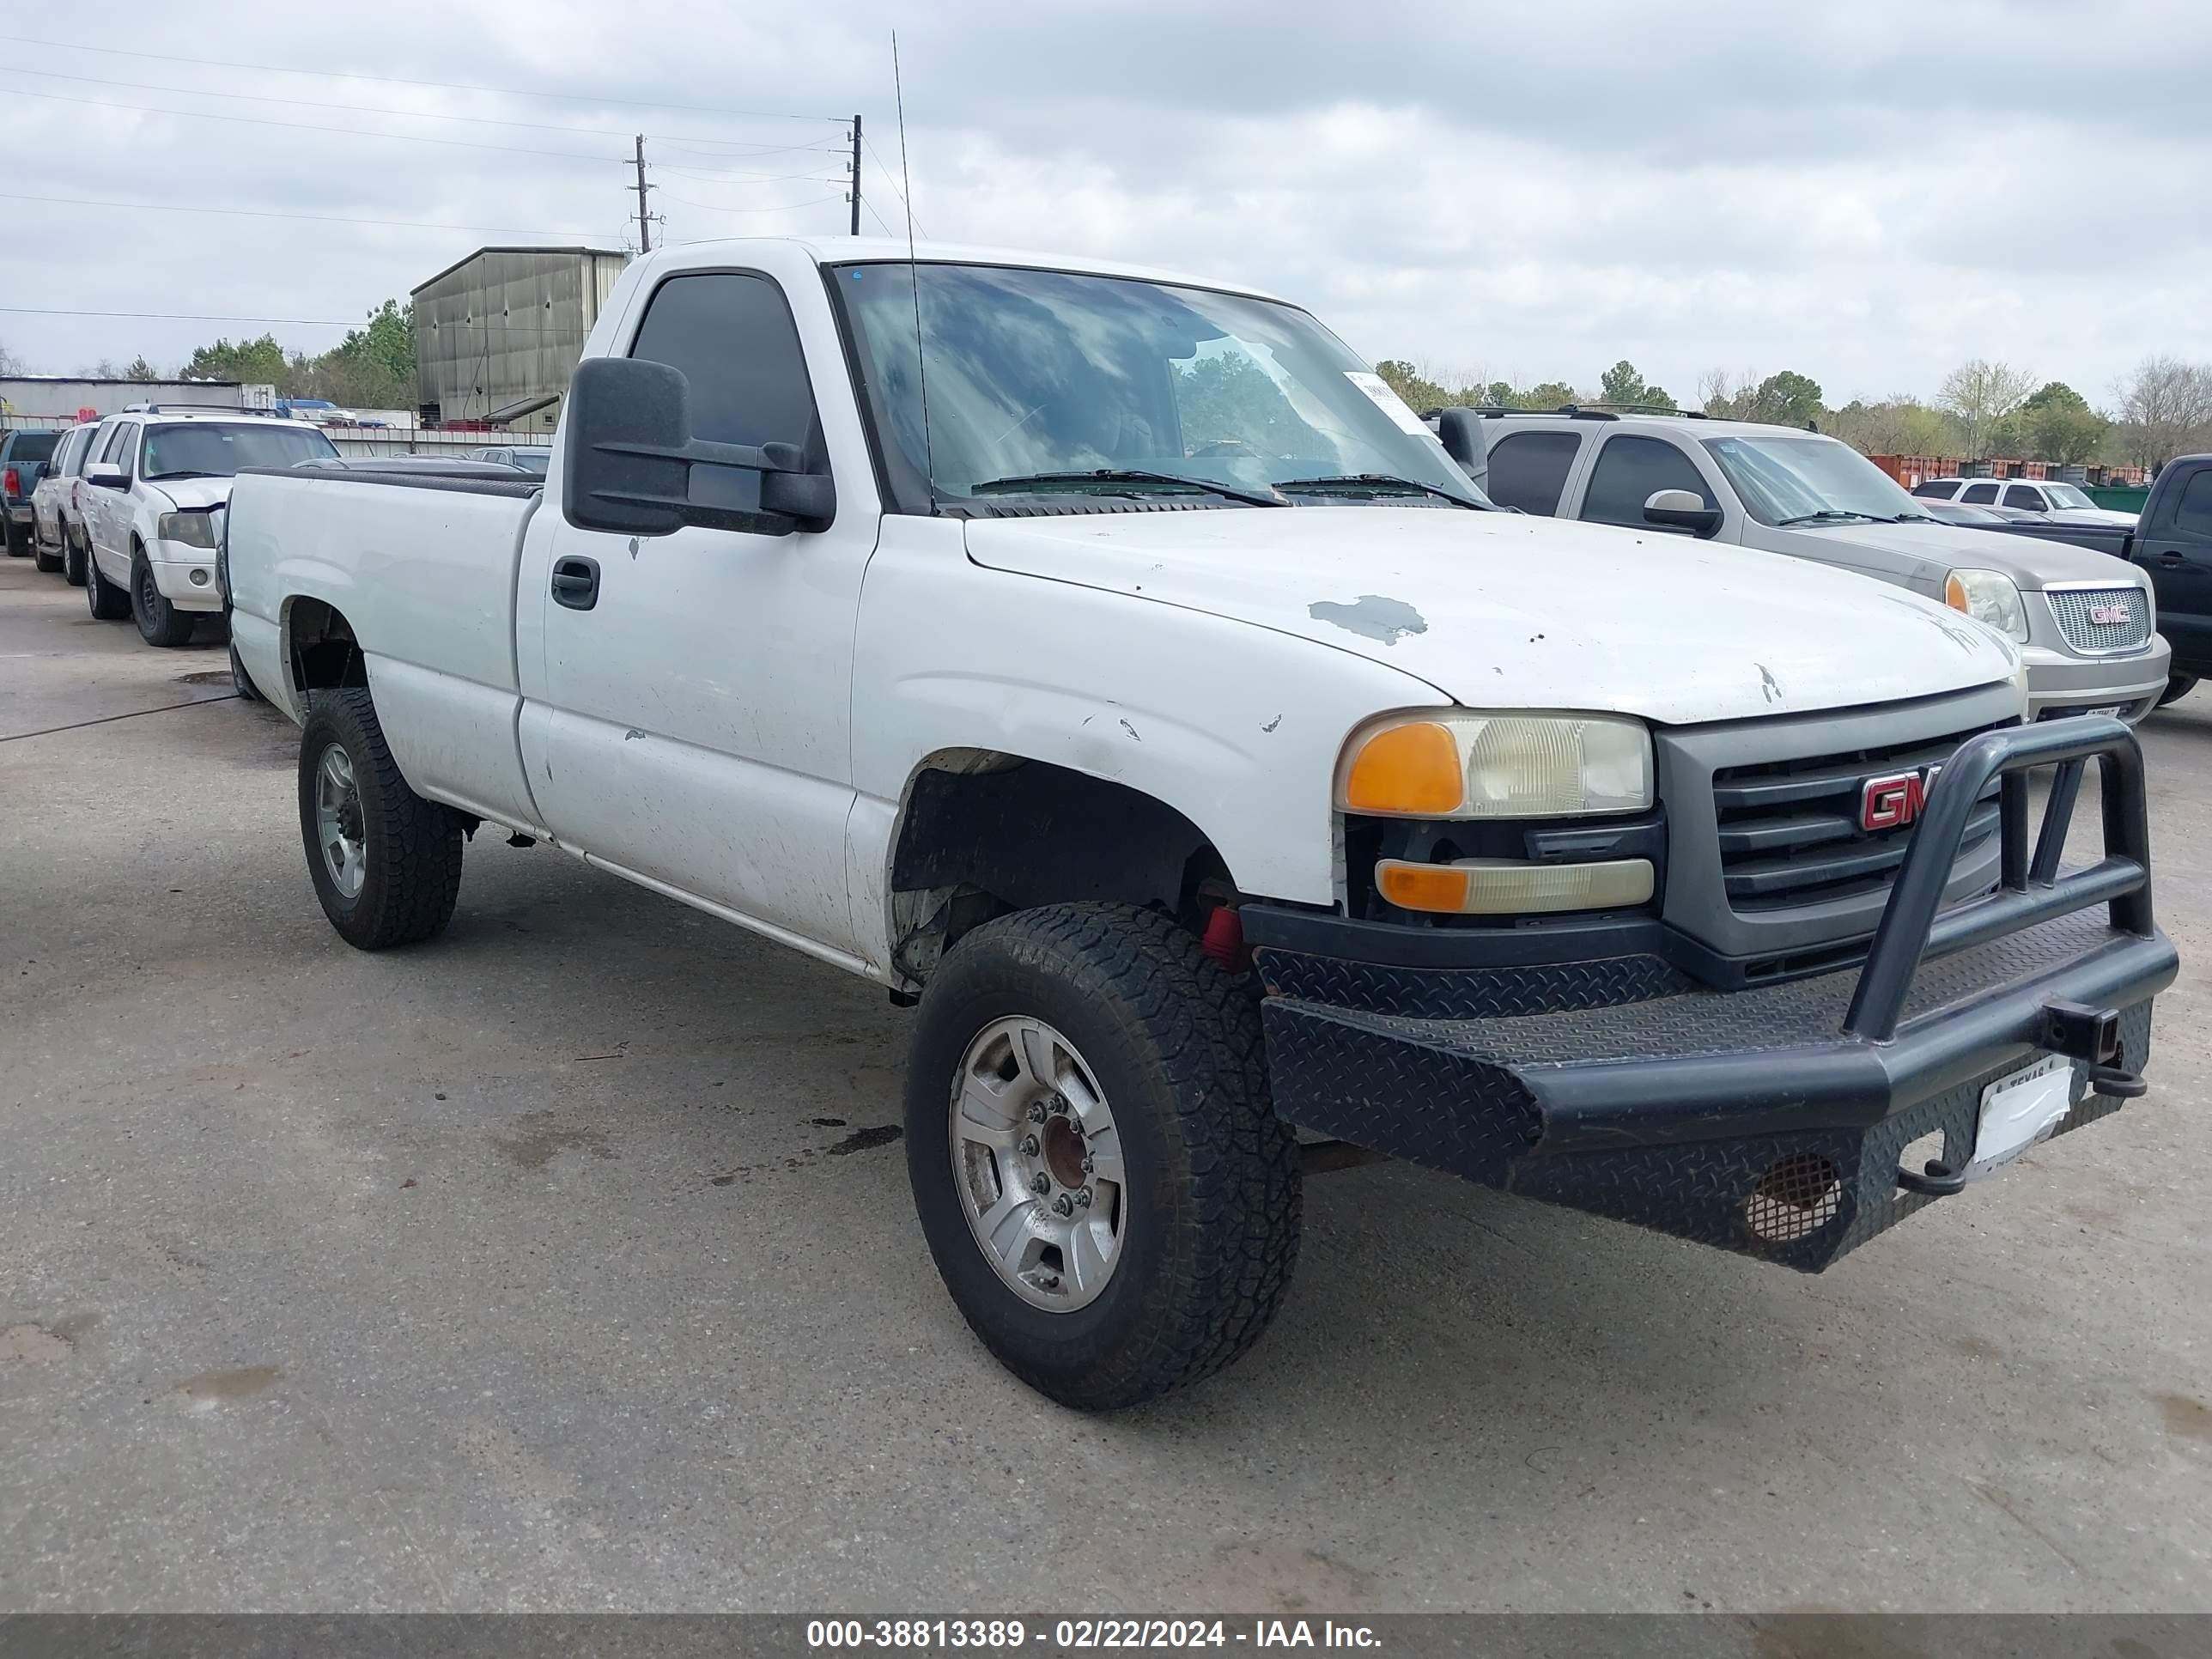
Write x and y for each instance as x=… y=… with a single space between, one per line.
x=1106 y=1188
x=48 y=562
x=2177 y=686
x=386 y=863
x=160 y=622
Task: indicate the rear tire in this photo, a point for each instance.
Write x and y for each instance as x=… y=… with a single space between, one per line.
x=2177 y=686
x=19 y=543
x=1205 y=1220
x=386 y=863
x=108 y=602
x=75 y=556
x=160 y=622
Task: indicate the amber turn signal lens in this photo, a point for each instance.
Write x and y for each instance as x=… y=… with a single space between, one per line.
x=1433 y=887
x=1414 y=769
x=1954 y=592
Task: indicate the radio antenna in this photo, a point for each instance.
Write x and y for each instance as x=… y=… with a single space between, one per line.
x=913 y=282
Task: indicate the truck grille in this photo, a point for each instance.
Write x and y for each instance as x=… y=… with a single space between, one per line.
x=2098 y=620
x=1789 y=832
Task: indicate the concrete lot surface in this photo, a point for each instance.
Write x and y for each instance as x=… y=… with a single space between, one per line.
x=567 y=1262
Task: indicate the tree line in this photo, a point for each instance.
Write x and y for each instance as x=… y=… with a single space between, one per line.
x=1982 y=410
x=373 y=368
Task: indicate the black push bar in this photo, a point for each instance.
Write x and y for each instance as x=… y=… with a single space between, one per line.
x=2030 y=889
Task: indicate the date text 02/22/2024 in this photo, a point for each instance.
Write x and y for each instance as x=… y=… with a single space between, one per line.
x=1082 y=1635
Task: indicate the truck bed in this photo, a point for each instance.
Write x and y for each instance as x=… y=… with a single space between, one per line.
x=423 y=563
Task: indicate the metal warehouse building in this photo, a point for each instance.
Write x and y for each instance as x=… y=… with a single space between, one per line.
x=497 y=335
x=62 y=398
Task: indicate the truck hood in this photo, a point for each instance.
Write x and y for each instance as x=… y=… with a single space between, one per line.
x=1501 y=609
x=2030 y=560
x=189 y=493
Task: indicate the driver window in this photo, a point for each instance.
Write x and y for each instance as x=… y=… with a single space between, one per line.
x=2024 y=495
x=1980 y=494
x=1629 y=471
x=733 y=336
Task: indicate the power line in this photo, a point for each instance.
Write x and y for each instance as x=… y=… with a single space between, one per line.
x=889 y=179
x=446 y=85
x=780 y=207
x=271 y=212
x=304 y=126
x=297 y=322
x=743 y=177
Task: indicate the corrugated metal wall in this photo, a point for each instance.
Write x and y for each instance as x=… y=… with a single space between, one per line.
x=508 y=324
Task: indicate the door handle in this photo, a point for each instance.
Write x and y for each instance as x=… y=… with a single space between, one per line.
x=576 y=582
x=2170 y=557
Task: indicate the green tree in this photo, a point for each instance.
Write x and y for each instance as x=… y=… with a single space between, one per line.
x=1552 y=394
x=140 y=370
x=1228 y=403
x=381 y=356
x=1421 y=393
x=2057 y=424
x=253 y=361
x=1787 y=398
x=1982 y=394
x=1621 y=383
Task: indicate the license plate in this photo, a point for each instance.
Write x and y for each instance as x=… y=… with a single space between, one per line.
x=2115 y=709
x=2019 y=1110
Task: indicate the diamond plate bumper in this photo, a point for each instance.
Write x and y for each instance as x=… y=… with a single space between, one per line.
x=1768 y=1121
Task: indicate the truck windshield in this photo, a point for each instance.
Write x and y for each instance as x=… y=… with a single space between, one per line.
x=210 y=449
x=1786 y=480
x=1054 y=382
x=2065 y=494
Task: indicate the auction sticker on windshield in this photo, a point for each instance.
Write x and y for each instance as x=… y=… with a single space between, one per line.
x=1387 y=401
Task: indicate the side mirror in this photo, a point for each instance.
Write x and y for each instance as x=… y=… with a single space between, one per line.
x=632 y=466
x=1682 y=509
x=1460 y=431
x=107 y=476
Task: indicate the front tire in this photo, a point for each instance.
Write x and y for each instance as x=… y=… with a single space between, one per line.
x=76 y=555
x=2177 y=686
x=1039 y=1028
x=48 y=562
x=241 y=681
x=386 y=863
x=108 y=602
x=160 y=622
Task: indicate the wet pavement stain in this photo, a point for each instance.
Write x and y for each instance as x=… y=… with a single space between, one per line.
x=860 y=1140
x=33 y=1344
x=2185 y=1416
x=537 y=1139
x=211 y=1389
x=826 y=1123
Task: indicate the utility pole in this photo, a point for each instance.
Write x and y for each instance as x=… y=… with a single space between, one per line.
x=856 y=175
x=644 y=221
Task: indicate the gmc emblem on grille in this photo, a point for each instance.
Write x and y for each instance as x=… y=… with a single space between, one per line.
x=1892 y=802
x=2109 y=616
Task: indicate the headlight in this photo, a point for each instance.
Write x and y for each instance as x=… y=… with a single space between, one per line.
x=1987 y=596
x=192 y=529
x=1461 y=765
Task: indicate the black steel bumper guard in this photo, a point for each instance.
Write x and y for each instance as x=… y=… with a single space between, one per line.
x=1771 y=1120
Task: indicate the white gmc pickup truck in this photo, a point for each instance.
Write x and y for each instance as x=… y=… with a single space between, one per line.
x=941 y=619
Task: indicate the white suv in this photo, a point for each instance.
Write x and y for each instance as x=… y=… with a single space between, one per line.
x=2047 y=498
x=153 y=484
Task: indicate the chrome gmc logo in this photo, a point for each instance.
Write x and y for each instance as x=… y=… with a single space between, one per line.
x=2109 y=616
x=1893 y=802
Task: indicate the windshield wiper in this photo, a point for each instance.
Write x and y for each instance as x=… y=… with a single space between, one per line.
x=156 y=477
x=1114 y=475
x=1379 y=481
x=1825 y=515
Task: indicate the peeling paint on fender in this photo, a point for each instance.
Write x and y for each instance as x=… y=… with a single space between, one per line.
x=1371 y=617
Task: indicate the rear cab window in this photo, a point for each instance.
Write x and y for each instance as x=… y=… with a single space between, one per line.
x=1935 y=489
x=1629 y=471
x=1528 y=469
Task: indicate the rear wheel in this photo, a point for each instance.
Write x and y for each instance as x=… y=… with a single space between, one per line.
x=19 y=540
x=386 y=863
x=49 y=563
x=74 y=556
x=108 y=602
x=160 y=622
x=2177 y=686
x=1106 y=1188
x=241 y=681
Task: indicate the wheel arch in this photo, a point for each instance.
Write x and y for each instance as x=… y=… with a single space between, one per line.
x=981 y=832
x=321 y=651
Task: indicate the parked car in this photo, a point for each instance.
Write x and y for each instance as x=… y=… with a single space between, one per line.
x=57 y=506
x=152 y=485
x=2045 y=498
x=1796 y=492
x=2171 y=541
x=24 y=457
x=1196 y=796
x=526 y=458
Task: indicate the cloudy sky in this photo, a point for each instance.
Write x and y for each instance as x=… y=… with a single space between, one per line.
x=1867 y=192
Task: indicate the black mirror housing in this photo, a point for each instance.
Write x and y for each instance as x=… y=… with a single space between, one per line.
x=631 y=465
x=1460 y=431
x=1682 y=509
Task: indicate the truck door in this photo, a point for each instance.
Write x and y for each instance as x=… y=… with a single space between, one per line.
x=689 y=717
x=2177 y=549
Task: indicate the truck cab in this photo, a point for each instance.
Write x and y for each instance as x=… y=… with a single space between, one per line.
x=1109 y=665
